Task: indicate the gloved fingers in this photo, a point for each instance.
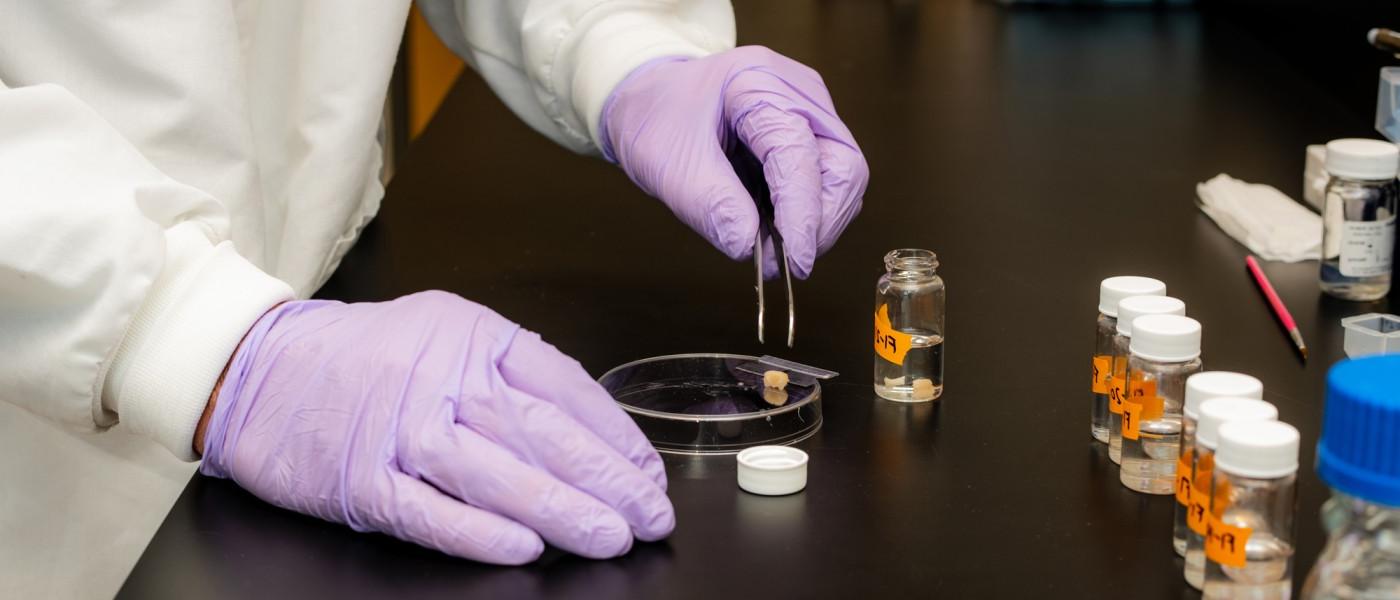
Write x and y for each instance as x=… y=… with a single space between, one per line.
x=784 y=142
x=541 y=370
x=791 y=78
x=845 y=175
x=425 y=516
x=770 y=259
x=476 y=470
x=717 y=206
x=555 y=442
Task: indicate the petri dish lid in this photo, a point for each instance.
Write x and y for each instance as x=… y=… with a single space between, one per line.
x=716 y=403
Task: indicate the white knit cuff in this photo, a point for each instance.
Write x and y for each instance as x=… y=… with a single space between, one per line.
x=612 y=46
x=178 y=343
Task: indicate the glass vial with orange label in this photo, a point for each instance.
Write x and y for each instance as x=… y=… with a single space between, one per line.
x=1207 y=503
x=1199 y=388
x=1111 y=290
x=1249 y=544
x=1120 y=388
x=1166 y=349
x=909 y=316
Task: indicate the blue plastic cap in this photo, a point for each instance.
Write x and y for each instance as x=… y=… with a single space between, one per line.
x=1359 y=453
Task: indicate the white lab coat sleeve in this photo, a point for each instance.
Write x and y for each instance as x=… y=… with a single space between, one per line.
x=555 y=62
x=120 y=298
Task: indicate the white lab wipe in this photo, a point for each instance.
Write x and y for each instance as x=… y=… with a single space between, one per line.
x=169 y=171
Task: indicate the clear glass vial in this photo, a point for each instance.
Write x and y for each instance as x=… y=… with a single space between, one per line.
x=1165 y=350
x=1199 y=388
x=1356 y=457
x=1250 y=540
x=909 y=318
x=1213 y=413
x=1111 y=290
x=1120 y=388
x=1358 y=232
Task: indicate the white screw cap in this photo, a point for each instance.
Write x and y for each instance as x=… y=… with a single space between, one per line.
x=1113 y=289
x=1133 y=307
x=1259 y=449
x=1216 y=384
x=1356 y=158
x=1166 y=338
x=772 y=470
x=1219 y=411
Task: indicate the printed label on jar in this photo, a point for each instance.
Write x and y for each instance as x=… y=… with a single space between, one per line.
x=1100 y=381
x=1225 y=543
x=1183 y=478
x=1138 y=388
x=1198 y=511
x=891 y=345
x=1115 y=395
x=1137 y=410
x=1367 y=247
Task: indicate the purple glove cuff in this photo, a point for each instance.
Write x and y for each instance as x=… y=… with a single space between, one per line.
x=216 y=435
x=604 y=141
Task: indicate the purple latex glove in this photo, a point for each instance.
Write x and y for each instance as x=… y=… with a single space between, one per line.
x=675 y=125
x=437 y=421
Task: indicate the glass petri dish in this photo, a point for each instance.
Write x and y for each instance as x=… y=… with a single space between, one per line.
x=713 y=403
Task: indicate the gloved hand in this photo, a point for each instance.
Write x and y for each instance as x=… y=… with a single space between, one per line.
x=675 y=125
x=437 y=421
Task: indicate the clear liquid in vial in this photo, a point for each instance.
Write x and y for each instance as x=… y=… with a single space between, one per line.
x=1099 y=428
x=920 y=378
x=1195 y=563
x=1266 y=572
x=1149 y=462
x=1358 y=289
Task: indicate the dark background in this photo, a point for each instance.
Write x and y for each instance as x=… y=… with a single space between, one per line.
x=1324 y=40
x=1036 y=150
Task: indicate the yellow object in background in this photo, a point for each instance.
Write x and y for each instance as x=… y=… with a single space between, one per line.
x=431 y=70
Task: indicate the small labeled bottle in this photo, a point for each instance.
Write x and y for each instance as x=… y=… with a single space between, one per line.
x=1120 y=387
x=1358 y=219
x=909 y=302
x=1359 y=458
x=1214 y=413
x=1164 y=351
x=1199 y=388
x=1250 y=540
x=1111 y=290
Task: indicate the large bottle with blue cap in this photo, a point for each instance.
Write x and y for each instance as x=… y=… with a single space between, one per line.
x=1359 y=458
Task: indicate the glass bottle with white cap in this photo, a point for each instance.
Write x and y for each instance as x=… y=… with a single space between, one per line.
x=1164 y=351
x=1250 y=540
x=1357 y=458
x=1120 y=387
x=1199 y=388
x=1213 y=413
x=1111 y=291
x=1358 y=216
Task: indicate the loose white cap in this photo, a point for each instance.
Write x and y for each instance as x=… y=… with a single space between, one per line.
x=1133 y=307
x=1117 y=288
x=772 y=470
x=1216 y=384
x=1166 y=338
x=1218 y=411
x=1260 y=449
x=1355 y=158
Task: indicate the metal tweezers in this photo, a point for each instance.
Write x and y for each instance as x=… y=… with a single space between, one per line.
x=765 y=221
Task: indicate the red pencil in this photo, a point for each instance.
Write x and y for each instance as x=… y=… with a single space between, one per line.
x=1280 y=310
